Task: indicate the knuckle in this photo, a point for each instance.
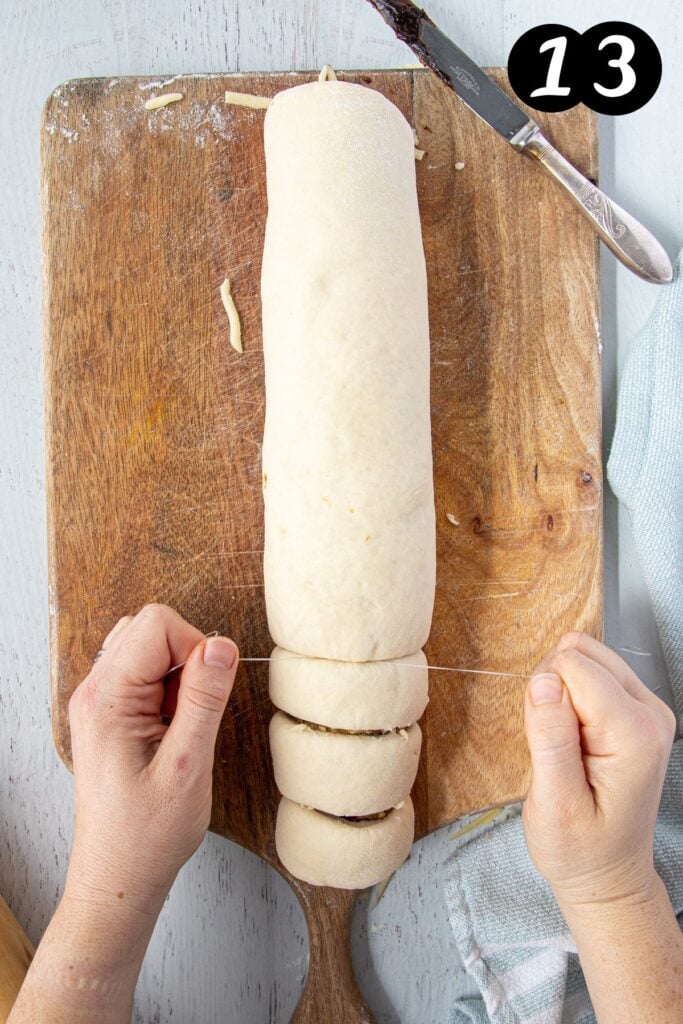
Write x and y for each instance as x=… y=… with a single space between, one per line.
x=116 y=629
x=82 y=699
x=205 y=700
x=668 y=721
x=567 y=661
x=155 y=612
x=571 y=640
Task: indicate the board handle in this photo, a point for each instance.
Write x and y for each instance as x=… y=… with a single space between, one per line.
x=331 y=992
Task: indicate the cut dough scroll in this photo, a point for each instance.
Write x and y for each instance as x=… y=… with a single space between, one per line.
x=376 y=695
x=343 y=773
x=349 y=560
x=324 y=850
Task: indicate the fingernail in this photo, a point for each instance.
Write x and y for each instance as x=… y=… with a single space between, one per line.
x=219 y=652
x=545 y=689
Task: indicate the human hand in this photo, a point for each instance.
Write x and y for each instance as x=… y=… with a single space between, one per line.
x=143 y=788
x=599 y=743
x=143 y=802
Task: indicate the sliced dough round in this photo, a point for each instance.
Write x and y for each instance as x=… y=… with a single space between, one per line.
x=329 y=851
x=350 y=695
x=343 y=773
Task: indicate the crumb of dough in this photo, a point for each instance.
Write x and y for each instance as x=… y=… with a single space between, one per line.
x=233 y=316
x=451 y=519
x=327 y=74
x=460 y=166
x=419 y=153
x=399 y=805
x=248 y=99
x=163 y=101
x=403 y=734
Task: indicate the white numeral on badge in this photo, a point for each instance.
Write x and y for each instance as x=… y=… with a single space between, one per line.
x=552 y=85
x=628 y=75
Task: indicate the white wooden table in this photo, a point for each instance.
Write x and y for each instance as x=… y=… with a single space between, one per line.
x=231 y=944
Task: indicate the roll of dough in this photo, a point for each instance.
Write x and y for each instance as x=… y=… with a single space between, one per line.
x=350 y=695
x=343 y=773
x=330 y=851
x=349 y=559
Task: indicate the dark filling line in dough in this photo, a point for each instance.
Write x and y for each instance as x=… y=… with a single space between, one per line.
x=346 y=732
x=359 y=819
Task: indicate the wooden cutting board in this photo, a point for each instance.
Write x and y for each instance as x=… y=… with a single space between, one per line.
x=154 y=423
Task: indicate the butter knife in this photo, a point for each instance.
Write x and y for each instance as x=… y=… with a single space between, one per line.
x=630 y=242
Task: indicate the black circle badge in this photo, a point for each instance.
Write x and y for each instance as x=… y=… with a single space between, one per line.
x=614 y=67
x=623 y=68
x=544 y=67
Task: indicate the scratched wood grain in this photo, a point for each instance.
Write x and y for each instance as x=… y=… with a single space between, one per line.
x=154 y=423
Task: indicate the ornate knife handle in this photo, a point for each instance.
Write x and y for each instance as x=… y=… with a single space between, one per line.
x=630 y=242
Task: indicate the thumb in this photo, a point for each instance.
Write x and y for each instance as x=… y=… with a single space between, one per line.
x=552 y=731
x=205 y=686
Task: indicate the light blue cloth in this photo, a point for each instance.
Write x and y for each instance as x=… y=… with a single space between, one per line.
x=508 y=928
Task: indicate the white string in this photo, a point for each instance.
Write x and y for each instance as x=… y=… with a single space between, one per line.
x=406 y=664
x=402 y=664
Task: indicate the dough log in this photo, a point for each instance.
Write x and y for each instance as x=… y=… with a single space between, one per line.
x=349 y=560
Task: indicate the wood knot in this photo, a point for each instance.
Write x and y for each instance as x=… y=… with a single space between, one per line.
x=476 y=524
x=550 y=523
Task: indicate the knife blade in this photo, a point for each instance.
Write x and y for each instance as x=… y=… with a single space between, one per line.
x=627 y=238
